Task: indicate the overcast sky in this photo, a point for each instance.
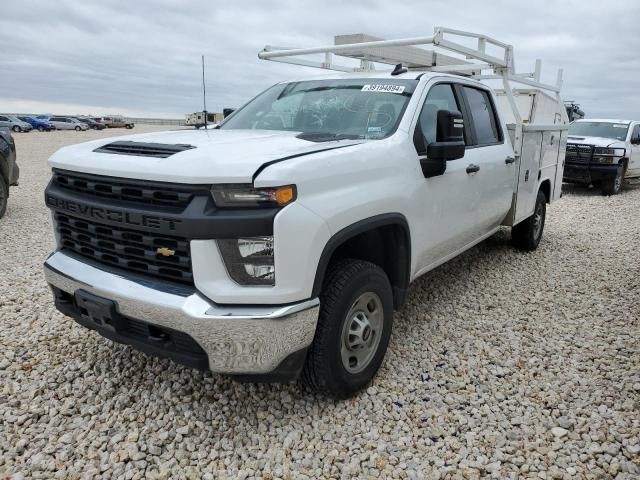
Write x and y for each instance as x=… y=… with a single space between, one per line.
x=143 y=57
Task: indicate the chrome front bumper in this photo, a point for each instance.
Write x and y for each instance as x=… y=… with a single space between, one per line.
x=237 y=339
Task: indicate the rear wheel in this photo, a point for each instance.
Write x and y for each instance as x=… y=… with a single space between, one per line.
x=527 y=234
x=16 y=128
x=354 y=326
x=613 y=185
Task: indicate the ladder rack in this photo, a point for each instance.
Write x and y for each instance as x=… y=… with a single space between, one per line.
x=477 y=63
x=370 y=50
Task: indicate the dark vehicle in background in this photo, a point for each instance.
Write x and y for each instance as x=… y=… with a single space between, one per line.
x=14 y=123
x=93 y=123
x=574 y=112
x=117 y=121
x=38 y=124
x=9 y=171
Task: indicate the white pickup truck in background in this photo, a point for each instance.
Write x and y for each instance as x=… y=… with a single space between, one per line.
x=603 y=152
x=280 y=244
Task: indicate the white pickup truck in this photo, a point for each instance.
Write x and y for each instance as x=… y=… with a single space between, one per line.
x=603 y=152
x=280 y=244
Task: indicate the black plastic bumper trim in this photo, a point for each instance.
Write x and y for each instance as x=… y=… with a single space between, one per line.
x=151 y=339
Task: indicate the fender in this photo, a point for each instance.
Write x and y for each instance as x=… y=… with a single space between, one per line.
x=403 y=266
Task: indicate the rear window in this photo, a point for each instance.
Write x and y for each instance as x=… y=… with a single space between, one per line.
x=483 y=116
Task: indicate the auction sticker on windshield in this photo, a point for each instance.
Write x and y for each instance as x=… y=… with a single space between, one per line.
x=382 y=88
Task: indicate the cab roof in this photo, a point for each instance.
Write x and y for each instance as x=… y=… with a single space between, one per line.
x=386 y=75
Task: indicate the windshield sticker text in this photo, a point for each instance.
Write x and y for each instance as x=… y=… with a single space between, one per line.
x=381 y=88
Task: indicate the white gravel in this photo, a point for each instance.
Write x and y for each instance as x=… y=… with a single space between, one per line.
x=501 y=365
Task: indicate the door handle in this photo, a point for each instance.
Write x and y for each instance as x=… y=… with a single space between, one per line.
x=472 y=168
x=509 y=160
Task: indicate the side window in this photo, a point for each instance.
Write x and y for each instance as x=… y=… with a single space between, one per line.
x=3 y=119
x=483 y=116
x=636 y=133
x=440 y=97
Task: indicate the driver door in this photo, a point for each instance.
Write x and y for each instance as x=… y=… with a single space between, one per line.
x=446 y=202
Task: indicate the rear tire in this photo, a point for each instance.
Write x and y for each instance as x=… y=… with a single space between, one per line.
x=354 y=327
x=4 y=196
x=613 y=185
x=527 y=234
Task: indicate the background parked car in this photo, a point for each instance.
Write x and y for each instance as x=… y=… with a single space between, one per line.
x=93 y=124
x=38 y=124
x=9 y=171
x=117 y=121
x=68 y=123
x=14 y=123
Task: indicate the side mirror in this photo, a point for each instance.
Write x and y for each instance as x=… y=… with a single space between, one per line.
x=449 y=144
x=635 y=141
x=227 y=111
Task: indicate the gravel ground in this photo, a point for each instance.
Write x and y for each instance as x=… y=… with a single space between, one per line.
x=501 y=365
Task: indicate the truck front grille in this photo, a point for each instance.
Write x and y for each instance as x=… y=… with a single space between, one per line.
x=160 y=256
x=576 y=153
x=136 y=192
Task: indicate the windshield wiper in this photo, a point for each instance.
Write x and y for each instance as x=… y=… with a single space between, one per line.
x=327 y=136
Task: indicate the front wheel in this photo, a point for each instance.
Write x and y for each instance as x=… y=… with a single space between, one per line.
x=613 y=185
x=527 y=234
x=354 y=326
x=16 y=128
x=78 y=129
x=40 y=128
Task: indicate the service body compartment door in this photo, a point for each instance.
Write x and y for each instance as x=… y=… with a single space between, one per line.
x=529 y=165
x=549 y=157
x=556 y=188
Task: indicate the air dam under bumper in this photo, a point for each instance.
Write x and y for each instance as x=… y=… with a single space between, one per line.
x=239 y=340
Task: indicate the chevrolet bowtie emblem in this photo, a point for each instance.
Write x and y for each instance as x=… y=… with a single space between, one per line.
x=165 y=252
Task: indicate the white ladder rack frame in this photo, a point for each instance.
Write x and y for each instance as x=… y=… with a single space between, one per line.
x=501 y=68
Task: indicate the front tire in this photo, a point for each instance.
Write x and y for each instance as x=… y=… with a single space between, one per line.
x=78 y=129
x=16 y=128
x=613 y=185
x=354 y=327
x=527 y=234
x=41 y=128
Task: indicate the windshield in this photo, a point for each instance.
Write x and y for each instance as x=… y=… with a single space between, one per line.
x=617 y=131
x=328 y=109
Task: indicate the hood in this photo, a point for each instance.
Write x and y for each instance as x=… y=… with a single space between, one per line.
x=219 y=156
x=596 y=141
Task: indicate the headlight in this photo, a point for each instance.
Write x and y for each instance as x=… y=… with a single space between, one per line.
x=612 y=152
x=249 y=261
x=245 y=196
x=604 y=160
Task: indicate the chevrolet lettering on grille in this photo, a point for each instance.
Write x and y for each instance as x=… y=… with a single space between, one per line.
x=99 y=213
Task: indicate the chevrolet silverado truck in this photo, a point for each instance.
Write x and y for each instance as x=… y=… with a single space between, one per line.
x=603 y=152
x=279 y=244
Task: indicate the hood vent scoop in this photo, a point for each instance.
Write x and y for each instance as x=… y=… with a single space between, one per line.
x=143 y=149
